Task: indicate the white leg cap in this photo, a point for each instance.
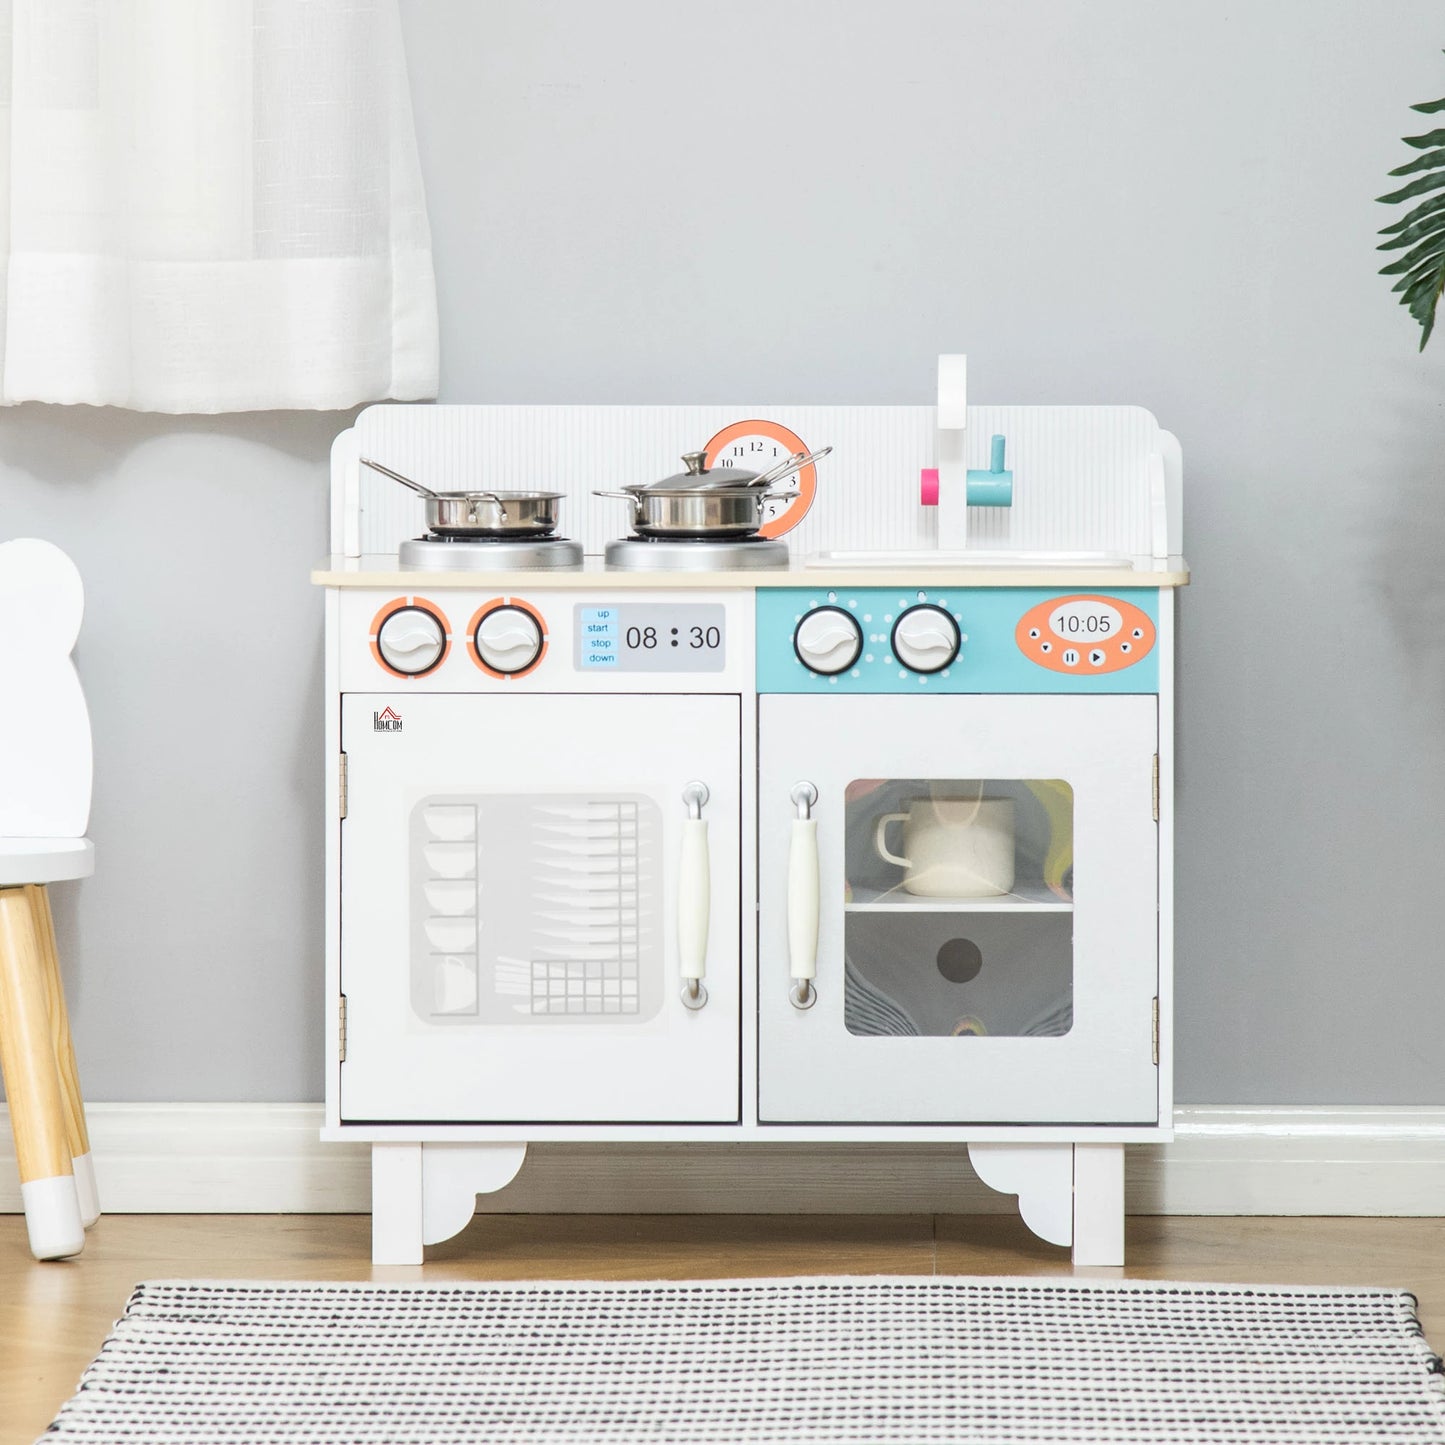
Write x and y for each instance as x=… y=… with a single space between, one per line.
x=85 y=1189
x=52 y=1217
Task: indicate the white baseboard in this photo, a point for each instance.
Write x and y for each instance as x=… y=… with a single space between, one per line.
x=267 y=1159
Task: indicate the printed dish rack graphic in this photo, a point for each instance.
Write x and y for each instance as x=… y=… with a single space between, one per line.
x=535 y=909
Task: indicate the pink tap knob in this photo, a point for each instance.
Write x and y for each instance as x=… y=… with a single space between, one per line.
x=928 y=486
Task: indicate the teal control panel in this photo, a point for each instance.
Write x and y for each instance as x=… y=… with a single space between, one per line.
x=962 y=640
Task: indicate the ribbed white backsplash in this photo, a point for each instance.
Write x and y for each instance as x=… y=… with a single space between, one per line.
x=1080 y=473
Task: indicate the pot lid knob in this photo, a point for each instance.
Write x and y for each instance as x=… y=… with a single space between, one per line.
x=695 y=462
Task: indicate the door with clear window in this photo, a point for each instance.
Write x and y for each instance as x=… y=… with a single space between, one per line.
x=986 y=914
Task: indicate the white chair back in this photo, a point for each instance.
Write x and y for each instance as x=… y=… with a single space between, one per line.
x=45 y=742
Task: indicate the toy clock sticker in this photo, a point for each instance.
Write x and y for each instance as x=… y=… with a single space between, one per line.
x=1085 y=633
x=756 y=446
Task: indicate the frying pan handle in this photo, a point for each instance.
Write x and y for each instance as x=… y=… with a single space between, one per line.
x=427 y=492
x=794 y=463
x=417 y=487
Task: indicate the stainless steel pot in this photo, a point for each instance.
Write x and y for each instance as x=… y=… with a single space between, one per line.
x=724 y=512
x=481 y=514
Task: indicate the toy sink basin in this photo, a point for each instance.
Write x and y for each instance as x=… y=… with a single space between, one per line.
x=929 y=557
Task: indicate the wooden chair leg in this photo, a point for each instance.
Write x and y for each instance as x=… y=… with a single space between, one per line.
x=76 y=1131
x=32 y=1085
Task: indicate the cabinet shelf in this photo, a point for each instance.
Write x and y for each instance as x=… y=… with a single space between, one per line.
x=1027 y=897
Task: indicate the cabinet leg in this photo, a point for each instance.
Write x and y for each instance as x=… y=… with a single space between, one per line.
x=32 y=1084
x=76 y=1132
x=424 y=1193
x=396 y=1233
x=1099 y=1204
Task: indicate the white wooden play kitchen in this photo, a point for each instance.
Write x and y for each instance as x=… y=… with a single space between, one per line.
x=849 y=823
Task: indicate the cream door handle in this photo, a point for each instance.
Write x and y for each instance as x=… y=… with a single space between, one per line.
x=694 y=898
x=803 y=898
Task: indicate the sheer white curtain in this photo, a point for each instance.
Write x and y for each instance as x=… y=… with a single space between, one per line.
x=211 y=205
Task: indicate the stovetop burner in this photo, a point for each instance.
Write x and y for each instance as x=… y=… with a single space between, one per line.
x=434 y=553
x=694 y=554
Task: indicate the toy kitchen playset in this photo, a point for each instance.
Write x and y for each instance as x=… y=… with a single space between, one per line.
x=818 y=792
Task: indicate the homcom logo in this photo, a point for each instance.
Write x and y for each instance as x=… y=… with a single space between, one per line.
x=388 y=720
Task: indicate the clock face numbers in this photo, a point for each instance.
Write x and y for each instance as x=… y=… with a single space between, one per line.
x=757 y=445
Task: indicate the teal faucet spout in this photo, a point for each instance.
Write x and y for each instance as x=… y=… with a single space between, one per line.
x=995 y=487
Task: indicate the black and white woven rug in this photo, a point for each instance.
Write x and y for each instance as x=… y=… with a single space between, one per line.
x=798 y=1360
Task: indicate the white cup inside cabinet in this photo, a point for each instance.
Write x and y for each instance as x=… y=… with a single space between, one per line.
x=452 y=897
x=454 y=980
x=451 y=860
x=452 y=822
x=452 y=935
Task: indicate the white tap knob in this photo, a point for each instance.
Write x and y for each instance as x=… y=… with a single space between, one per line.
x=411 y=640
x=925 y=639
x=828 y=640
x=508 y=639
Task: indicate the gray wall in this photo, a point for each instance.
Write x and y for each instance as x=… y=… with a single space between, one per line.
x=1167 y=204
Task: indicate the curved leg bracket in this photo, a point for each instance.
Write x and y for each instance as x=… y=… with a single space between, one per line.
x=424 y=1193
x=1042 y=1175
x=452 y=1175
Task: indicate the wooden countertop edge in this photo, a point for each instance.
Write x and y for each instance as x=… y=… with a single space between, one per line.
x=335 y=572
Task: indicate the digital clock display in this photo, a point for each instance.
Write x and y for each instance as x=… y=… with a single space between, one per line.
x=646 y=637
x=1084 y=619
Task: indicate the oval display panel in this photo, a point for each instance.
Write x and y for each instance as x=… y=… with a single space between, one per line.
x=1085 y=634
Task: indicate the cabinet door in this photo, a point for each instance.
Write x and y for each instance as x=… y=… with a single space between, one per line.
x=511 y=903
x=987 y=915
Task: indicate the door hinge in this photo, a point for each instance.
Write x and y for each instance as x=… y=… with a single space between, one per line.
x=341 y=1030
x=1156 y=786
x=341 y=786
x=1156 y=1028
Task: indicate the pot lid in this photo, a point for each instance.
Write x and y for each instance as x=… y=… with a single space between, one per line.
x=698 y=478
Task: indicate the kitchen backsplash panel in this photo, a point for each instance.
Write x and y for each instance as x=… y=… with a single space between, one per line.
x=1082 y=475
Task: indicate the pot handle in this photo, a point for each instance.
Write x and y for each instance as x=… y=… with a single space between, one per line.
x=624 y=497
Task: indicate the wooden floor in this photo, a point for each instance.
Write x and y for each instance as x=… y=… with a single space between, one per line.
x=53 y=1317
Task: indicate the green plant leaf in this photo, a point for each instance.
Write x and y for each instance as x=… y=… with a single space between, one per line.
x=1424 y=313
x=1412 y=235
x=1407 y=235
x=1420 y=233
x=1426 y=162
x=1421 y=298
x=1427 y=271
x=1417 y=187
x=1417 y=257
x=1423 y=212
